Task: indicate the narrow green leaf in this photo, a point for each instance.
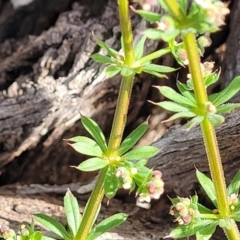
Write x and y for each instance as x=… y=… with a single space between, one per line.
x=107 y=225
x=111 y=71
x=211 y=79
x=193 y=122
x=183 y=5
x=47 y=238
x=158 y=68
x=207 y=232
x=103 y=45
x=142 y=175
x=215 y=119
x=188 y=230
x=228 y=107
x=37 y=235
x=155 y=73
x=163 y=5
x=126 y=71
x=101 y=59
x=236 y=216
x=149 y=16
x=111 y=183
x=185 y=92
x=71 y=208
x=53 y=225
x=86 y=146
x=133 y=138
x=92 y=164
x=172 y=106
x=156 y=34
x=180 y=115
x=207 y=186
x=96 y=132
x=175 y=97
x=203 y=209
x=139 y=48
x=227 y=93
x=141 y=153
x=234 y=186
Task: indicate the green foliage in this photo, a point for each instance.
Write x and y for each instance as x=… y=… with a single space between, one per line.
x=107 y=225
x=72 y=212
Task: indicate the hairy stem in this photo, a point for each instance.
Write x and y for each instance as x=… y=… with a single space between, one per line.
x=119 y=122
x=91 y=209
x=209 y=136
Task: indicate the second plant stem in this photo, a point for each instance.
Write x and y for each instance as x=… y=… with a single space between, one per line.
x=209 y=136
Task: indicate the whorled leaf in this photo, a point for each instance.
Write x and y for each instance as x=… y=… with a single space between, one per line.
x=207 y=186
x=188 y=230
x=111 y=71
x=101 y=58
x=180 y=115
x=53 y=225
x=227 y=93
x=133 y=138
x=111 y=183
x=228 y=107
x=144 y=152
x=92 y=164
x=95 y=131
x=156 y=34
x=172 y=106
x=193 y=122
x=139 y=48
x=215 y=119
x=71 y=208
x=111 y=52
x=234 y=186
x=87 y=146
x=184 y=90
x=148 y=15
x=158 y=68
x=107 y=225
x=175 y=97
x=207 y=232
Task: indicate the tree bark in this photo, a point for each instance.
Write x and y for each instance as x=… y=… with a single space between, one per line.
x=47 y=81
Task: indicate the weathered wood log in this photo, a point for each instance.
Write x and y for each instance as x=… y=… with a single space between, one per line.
x=231 y=67
x=181 y=151
x=48 y=80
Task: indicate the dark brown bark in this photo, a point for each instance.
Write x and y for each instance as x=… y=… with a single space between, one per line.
x=48 y=80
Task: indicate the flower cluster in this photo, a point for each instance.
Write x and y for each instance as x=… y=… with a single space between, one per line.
x=184 y=211
x=126 y=176
x=7 y=233
x=154 y=188
x=215 y=11
x=233 y=201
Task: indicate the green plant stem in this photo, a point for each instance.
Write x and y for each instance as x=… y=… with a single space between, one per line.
x=152 y=56
x=208 y=131
x=119 y=122
x=209 y=135
x=92 y=207
x=127 y=82
x=207 y=128
x=120 y=116
x=175 y=9
x=126 y=30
